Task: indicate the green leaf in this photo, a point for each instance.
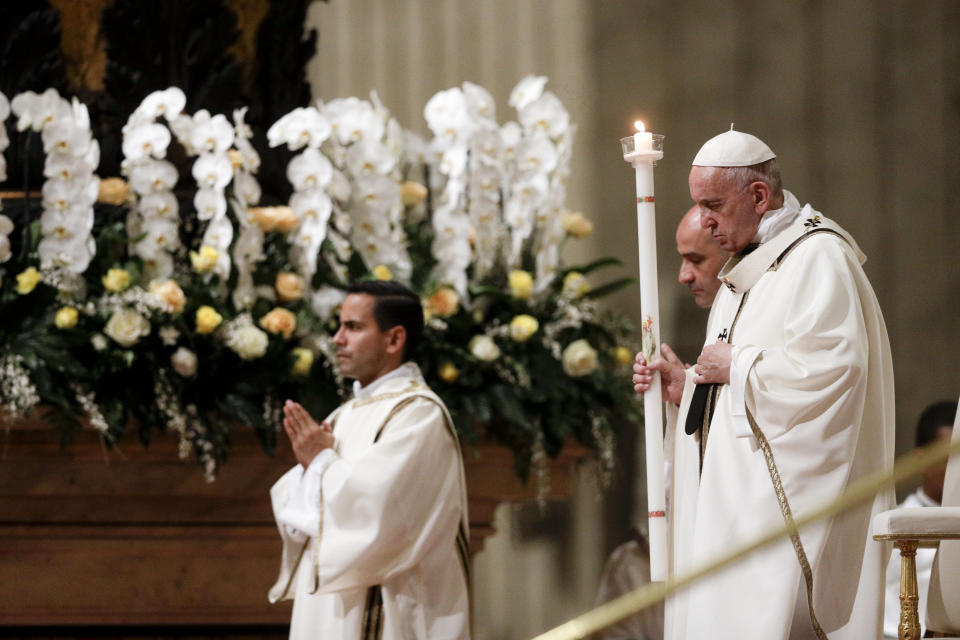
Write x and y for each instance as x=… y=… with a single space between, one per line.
x=610 y=287
x=593 y=266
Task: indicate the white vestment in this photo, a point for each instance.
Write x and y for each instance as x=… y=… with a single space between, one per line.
x=810 y=402
x=390 y=516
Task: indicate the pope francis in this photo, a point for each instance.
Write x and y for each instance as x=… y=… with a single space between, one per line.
x=374 y=518
x=790 y=402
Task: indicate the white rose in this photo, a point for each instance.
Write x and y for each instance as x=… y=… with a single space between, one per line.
x=579 y=359
x=484 y=348
x=248 y=342
x=126 y=327
x=184 y=362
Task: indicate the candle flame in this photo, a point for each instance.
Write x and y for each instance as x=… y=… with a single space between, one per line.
x=639 y=125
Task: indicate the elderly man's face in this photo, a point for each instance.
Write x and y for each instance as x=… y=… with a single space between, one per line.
x=701 y=260
x=728 y=212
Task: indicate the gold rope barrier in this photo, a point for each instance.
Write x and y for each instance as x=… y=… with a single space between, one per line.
x=628 y=604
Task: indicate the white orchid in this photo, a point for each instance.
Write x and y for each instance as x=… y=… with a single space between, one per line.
x=354 y=120
x=152 y=176
x=6 y=228
x=213 y=171
x=72 y=253
x=370 y=157
x=209 y=203
x=302 y=127
x=311 y=204
x=68 y=167
x=36 y=111
x=339 y=186
x=66 y=137
x=480 y=103
x=325 y=300
x=241 y=140
x=246 y=186
x=546 y=113
x=161 y=233
x=526 y=91
x=448 y=115
x=309 y=170
x=211 y=134
x=162 y=204
x=146 y=140
x=4 y=140
x=71 y=187
x=66 y=223
x=168 y=103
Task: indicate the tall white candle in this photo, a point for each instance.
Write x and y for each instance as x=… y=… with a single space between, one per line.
x=643 y=154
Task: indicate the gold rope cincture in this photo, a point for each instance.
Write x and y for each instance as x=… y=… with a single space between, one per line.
x=907 y=466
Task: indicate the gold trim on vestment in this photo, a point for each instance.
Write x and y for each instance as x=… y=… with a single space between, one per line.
x=413 y=386
x=788 y=519
x=793 y=245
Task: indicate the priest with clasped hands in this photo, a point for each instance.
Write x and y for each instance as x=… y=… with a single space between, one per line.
x=789 y=404
x=374 y=517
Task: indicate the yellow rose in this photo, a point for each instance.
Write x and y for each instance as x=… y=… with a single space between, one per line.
x=579 y=359
x=168 y=294
x=289 y=286
x=413 y=193
x=575 y=285
x=66 y=318
x=279 y=321
x=522 y=327
x=303 y=360
x=126 y=327
x=27 y=281
x=575 y=224
x=444 y=302
x=205 y=260
x=622 y=356
x=382 y=272
x=281 y=219
x=116 y=280
x=113 y=191
x=521 y=284
x=208 y=319
x=448 y=372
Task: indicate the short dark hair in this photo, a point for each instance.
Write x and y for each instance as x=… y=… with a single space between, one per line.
x=938 y=414
x=394 y=304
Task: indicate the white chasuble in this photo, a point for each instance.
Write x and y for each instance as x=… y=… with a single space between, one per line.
x=390 y=560
x=808 y=412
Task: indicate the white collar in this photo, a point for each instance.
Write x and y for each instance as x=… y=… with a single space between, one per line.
x=775 y=221
x=406 y=370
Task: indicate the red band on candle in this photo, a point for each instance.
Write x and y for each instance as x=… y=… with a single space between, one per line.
x=644 y=198
x=656 y=514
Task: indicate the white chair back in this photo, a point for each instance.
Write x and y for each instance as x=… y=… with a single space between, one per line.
x=943 y=599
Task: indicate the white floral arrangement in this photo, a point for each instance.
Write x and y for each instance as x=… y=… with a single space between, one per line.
x=189 y=308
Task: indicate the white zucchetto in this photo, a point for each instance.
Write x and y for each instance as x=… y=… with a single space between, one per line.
x=733 y=149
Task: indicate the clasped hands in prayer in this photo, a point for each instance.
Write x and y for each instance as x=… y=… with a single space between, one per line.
x=306 y=436
x=713 y=366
